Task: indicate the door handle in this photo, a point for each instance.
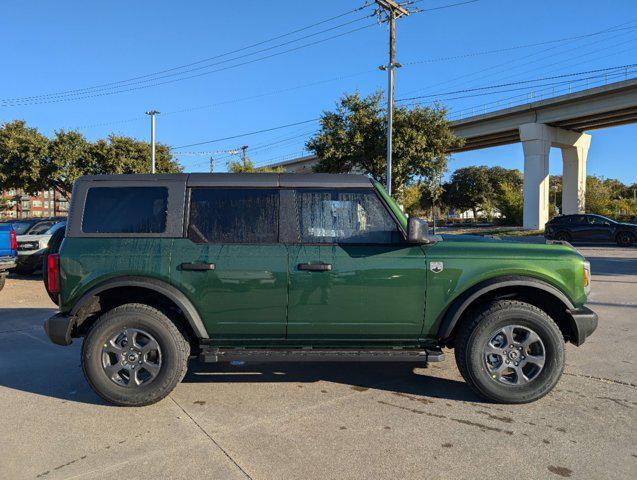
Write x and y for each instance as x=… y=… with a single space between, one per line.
x=197 y=266
x=315 y=267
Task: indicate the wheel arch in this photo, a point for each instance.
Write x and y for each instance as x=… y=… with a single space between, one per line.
x=123 y=289
x=535 y=291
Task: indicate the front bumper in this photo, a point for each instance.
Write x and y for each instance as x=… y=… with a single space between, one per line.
x=59 y=328
x=584 y=322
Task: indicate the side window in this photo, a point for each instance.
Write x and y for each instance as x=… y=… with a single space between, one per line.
x=233 y=215
x=578 y=220
x=593 y=220
x=125 y=210
x=343 y=216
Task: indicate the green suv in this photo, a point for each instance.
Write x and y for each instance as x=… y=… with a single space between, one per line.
x=154 y=269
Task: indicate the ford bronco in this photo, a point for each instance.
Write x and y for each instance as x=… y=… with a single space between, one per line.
x=154 y=269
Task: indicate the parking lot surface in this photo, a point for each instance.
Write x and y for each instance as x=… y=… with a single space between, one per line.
x=323 y=421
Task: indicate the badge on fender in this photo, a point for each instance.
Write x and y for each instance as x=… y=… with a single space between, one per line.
x=436 y=267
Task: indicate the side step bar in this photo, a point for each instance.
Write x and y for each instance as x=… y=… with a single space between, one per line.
x=212 y=355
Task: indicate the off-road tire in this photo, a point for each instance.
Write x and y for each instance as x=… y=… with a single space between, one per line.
x=476 y=332
x=175 y=351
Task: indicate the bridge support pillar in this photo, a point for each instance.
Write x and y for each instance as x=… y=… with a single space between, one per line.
x=537 y=140
x=574 y=176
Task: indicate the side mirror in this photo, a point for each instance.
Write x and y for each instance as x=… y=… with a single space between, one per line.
x=418 y=231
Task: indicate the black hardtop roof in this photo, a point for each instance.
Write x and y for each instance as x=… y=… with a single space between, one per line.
x=312 y=180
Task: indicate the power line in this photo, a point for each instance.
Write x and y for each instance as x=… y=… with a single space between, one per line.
x=507 y=63
x=179 y=67
x=191 y=76
x=502 y=85
x=508 y=49
x=245 y=134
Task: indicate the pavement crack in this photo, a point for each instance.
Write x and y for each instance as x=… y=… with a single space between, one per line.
x=601 y=379
x=212 y=439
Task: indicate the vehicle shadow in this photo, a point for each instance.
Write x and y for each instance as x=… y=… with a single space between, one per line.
x=30 y=363
x=396 y=377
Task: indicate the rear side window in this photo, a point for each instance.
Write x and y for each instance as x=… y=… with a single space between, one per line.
x=125 y=210
x=343 y=216
x=233 y=215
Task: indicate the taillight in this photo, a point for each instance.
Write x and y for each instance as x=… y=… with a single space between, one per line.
x=13 y=241
x=53 y=272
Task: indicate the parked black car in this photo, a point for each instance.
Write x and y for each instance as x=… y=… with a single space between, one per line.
x=590 y=228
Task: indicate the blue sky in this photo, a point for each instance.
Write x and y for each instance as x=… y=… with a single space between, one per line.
x=50 y=47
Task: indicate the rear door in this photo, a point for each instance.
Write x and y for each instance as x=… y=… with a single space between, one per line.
x=600 y=229
x=231 y=265
x=352 y=276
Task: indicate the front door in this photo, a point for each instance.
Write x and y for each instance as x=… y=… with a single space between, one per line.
x=231 y=266
x=352 y=276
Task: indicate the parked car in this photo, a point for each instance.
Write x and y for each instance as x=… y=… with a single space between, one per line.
x=300 y=267
x=33 y=247
x=33 y=225
x=590 y=228
x=8 y=251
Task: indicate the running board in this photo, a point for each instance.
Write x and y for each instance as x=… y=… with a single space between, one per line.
x=212 y=355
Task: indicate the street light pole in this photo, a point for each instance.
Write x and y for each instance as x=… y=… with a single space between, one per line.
x=152 y=114
x=394 y=11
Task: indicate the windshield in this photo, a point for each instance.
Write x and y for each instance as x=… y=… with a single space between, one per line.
x=21 y=227
x=391 y=203
x=55 y=228
x=40 y=228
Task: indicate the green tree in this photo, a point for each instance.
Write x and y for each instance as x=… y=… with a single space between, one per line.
x=353 y=138
x=507 y=188
x=469 y=188
x=22 y=152
x=121 y=154
x=598 y=196
x=246 y=166
x=68 y=157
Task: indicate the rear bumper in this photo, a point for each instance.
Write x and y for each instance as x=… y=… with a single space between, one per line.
x=32 y=260
x=584 y=323
x=7 y=263
x=59 y=328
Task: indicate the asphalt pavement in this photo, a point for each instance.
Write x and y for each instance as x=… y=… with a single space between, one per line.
x=323 y=421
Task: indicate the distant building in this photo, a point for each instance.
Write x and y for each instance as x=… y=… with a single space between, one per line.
x=47 y=203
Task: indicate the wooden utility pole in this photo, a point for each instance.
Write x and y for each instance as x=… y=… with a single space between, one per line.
x=393 y=11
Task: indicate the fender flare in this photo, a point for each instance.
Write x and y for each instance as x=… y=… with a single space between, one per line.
x=451 y=316
x=159 y=286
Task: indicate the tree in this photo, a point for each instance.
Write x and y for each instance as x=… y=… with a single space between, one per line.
x=598 y=196
x=22 y=150
x=353 y=138
x=246 y=166
x=68 y=157
x=31 y=162
x=123 y=154
x=469 y=188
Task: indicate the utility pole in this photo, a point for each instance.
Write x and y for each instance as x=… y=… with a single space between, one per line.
x=244 y=157
x=212 y=164
x=394 y=11
x=152 y=114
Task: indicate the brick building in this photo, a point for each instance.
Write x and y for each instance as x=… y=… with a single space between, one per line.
x=47 y=203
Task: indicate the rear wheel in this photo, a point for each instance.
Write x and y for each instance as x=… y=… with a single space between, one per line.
x=563 y=236
x=625 y=239
x=510 y=352
x=134 y=355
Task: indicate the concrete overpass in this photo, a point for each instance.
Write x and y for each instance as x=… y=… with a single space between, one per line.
x=555 y=122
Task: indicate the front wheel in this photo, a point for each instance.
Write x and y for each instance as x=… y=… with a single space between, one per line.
x=510 y=352
x=134 y=355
